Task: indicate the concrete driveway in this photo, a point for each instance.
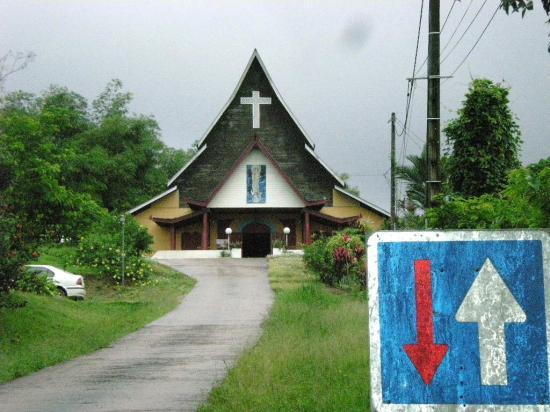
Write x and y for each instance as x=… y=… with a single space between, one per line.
x=171 y=364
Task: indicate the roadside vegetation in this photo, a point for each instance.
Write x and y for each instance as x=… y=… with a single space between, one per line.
x=51 y=329
x=313 y=354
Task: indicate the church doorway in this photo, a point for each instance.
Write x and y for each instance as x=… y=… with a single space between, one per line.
x=256 y=240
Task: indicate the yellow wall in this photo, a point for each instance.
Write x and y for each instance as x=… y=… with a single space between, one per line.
x=167 y=207
x=345 y=206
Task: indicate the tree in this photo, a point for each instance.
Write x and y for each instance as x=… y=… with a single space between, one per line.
x=11 y=63
x=523 y=6
x=354 y=190
x=524 y=203
x=414 y=175
x=485 y=141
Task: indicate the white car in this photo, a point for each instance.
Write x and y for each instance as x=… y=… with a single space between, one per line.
x=68 y=284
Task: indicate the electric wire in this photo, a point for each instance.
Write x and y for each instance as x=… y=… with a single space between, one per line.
x=443 y=27
x=477 y=41
x=410 y=86
x=465 y=31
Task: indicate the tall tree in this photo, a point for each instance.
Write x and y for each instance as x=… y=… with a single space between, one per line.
x=485 y=141
x=414 y=175
x=522 y=6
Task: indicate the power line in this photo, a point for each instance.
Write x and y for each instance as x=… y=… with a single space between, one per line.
x=448 y=15
x=477 y=41
x=458 y=25
x=465 y=31
x=410 y=86
x=442 y=28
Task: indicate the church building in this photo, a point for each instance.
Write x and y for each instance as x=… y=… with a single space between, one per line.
x=255 y=171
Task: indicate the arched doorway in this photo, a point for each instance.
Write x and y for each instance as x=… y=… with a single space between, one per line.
x=256 y=240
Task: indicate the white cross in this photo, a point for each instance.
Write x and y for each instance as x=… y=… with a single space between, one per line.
x=255 y=101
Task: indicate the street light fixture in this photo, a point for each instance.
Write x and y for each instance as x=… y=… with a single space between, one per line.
x=286 y=231
x=228 y=232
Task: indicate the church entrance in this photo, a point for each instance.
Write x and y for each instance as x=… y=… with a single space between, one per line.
x=256 y=240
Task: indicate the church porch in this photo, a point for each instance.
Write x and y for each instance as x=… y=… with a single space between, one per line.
x=255 y=231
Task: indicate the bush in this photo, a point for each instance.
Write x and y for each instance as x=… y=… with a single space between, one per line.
x=316 y=257
x=37 y=284
x=524 y=203
x=101 y=249
x=337 y=260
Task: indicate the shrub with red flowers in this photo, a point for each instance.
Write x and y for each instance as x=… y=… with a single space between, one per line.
x=338 y=260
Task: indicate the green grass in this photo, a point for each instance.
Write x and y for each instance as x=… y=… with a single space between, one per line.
x=49 y=330
x=313 y=355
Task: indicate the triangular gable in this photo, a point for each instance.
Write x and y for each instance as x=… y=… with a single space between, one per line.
x=309 y=145
x=256 y=56
x=245 y=155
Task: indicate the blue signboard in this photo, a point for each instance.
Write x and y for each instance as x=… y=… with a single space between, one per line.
x=459 y=318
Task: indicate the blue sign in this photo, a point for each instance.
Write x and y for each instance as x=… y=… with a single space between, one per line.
x=458 y=318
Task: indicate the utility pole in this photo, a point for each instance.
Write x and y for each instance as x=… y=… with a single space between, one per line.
x=393 y=165
x=123 y=263
x=433 y=182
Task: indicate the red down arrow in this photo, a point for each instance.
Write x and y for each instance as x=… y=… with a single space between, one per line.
x=425 y=354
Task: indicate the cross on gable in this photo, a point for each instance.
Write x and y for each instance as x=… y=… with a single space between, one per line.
x=255 y=101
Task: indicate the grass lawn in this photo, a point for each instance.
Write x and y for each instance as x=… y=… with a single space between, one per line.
x=313 y=355
x=49 y=330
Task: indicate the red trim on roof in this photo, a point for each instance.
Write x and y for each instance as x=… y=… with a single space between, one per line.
x=259 y=145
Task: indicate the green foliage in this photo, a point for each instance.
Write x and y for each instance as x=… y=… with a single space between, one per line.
x=354 y=190
x=37 y=284
x=278 y=244
x=524 y=203
x=38 y=331
x=485 y=141
x=62 y=162
x=31 y=179
x=337 y=260
x=313 y=354
x=316 y=257
x=101 y=249
x=15 y=248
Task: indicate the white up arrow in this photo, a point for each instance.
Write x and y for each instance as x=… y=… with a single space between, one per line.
x=490 y=303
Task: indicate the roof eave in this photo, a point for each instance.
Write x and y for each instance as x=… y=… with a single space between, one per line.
x=364 y=202
x=185 y=166
x=152 y=200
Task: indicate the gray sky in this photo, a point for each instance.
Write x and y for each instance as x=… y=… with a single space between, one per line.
x=340 y=66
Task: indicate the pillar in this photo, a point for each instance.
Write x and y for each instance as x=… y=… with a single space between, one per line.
x=173 y=237
x=307 y=228
x=205 y=231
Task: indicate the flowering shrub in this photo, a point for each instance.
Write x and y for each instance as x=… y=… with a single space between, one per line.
x=37 y=284
x=338 y=259
x=101 y=249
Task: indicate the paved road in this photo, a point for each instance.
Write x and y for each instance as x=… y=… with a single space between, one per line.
x=171 y=364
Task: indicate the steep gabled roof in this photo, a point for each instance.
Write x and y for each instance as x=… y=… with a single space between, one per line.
x=256 y=55
x=363 y=202
x=153 y=200
x=186 y=165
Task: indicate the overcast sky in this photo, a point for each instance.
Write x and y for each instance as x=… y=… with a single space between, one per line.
x=340 y=66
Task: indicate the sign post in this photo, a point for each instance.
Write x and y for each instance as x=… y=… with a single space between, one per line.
x=459 y=320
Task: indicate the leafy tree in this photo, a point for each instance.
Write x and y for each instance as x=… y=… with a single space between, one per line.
x=523 y=6
x=172 y=160
x=485 y=140
x=354 y=190
x=523 y=203
x=414 y=175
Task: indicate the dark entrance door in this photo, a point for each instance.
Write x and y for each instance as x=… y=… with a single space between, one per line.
x=256 y=240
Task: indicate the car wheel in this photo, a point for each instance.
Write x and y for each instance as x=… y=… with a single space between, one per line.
x=61 y=291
